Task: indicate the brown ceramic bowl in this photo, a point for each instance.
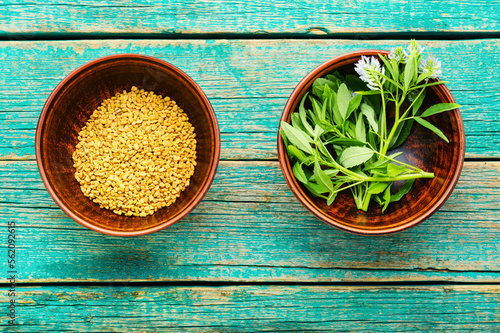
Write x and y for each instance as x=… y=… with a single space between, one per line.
x=423 y=149
x=70 y=105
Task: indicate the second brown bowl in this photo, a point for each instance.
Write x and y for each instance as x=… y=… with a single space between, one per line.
x=422 y=149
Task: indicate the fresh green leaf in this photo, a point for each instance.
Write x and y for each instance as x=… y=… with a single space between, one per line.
x=298 y=138
x=377 y=199
x=372 y=139
x=337 y=117
x=433 y=128
x=395 y=69
x=309 y=160
x=382 y=162
x=423 y=76
x=388 y=66
x=343 y=98
x=418 y=103
x=359 y=172
x=354 y=83
x=394 y=170
x=294 y=152
x=321 y=176
x=326 y=93
x=317 y=132
x=403 y=190
x=297 y=123
x=323 y=113
x=333 y=194
x=317 y=108
x=438 y=108
x=316 y=190
x=329 y=172
x=337 y=80
x=325 y=81
x=369 y=113
x=283 y=136
x=374 y=101
x=338 y=149
x=312 y=115
x=298 y=172
x=331 y=198
x=347 y=142
x=409 y=71
x=303 y=115
x=382 y=172
x=324 y=150
x=396 y=134
x=318 y=90
x=361 y=130
x=353 y=105
x=337 y=75
x=353 y=156
x=416 y=61
x=350 y=129
x=376 y=188
x=387 y=197
x=402 y=134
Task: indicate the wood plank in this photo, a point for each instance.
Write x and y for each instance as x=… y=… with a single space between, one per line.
x=248 y=82
x=250 y=227
x=117 y=308
x=301 y=17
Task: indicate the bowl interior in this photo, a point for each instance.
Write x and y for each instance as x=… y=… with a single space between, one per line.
x=74 y=100
x=423 y=149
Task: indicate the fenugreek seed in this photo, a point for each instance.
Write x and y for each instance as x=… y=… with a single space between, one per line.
x=128 y=140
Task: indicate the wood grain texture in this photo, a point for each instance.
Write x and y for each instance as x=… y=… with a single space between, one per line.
x=248 y=82
x=249 y=227
x=301 y=17
x=115 y=308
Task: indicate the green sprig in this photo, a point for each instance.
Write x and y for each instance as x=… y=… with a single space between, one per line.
x=340 y=137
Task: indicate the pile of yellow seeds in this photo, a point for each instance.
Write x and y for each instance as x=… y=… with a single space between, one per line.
x=136 y=153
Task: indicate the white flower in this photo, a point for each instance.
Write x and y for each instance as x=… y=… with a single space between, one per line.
x=370 y=71
x=398 y=54
x=430 y=65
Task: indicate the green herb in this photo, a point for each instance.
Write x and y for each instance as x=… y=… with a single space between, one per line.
x=340 y=137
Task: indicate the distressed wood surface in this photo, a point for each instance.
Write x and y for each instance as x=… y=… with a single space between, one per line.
x=251 y=228
x=248 y=82
x=115 y=308
x=237 y=262
x=309 y=18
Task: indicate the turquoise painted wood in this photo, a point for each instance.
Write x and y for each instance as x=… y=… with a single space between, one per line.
x=251 y=228
x=248 y=82
x=119 y=308
x=172 y=18
x=249 y=257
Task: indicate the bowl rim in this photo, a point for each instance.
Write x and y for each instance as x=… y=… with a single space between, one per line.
x=60 y=203
x=285 y=166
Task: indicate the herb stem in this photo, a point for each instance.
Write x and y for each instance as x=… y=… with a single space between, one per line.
x=427 y=85
x=348 y=186
x=344 y=170
x=366 y=201
x=402 y=177
x=411 y=105
x=402 y=163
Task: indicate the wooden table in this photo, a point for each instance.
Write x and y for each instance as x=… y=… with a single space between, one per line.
x=249 y=257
